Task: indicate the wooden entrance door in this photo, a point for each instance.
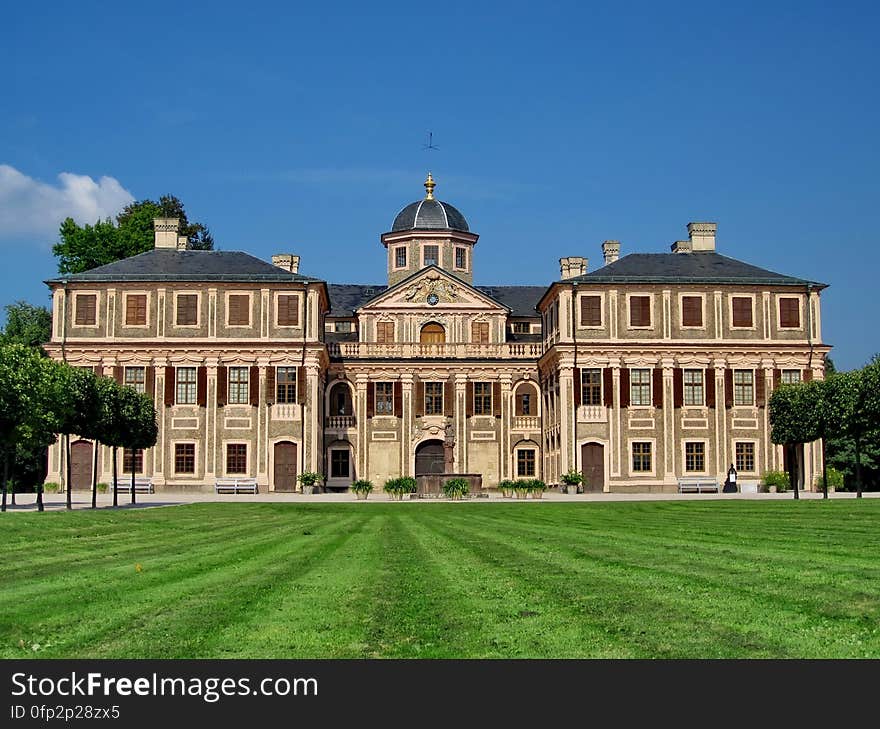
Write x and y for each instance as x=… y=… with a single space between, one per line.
x=285 y=466
x=430 y=458
x=593 y=467
x=81 y=466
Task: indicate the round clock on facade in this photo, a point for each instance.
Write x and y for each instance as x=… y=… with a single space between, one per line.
x=433 y=299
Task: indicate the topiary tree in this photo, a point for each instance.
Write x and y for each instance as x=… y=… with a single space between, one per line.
x=793 y=421
x=78 y=410
x=138 y=428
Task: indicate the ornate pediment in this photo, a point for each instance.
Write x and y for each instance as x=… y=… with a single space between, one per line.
x=430 y=290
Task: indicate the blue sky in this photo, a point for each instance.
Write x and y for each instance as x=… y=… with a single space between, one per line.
x=288 y=127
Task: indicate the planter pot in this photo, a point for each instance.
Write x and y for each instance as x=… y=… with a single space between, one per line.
x=309 y=489
x=361 y=495
x=506 y=494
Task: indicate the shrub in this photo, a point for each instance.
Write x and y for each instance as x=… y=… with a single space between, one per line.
x=309 y=478
x=102 y=488
x=536 y=488
x=779 y=479
x=362 y=486
x=835 y=479
x=455 y=488
x=572 y=478
x=506 y=487
x=51 y=488
x=397 y=487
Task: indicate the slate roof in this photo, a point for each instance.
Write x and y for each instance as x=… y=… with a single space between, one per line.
x=165 y=264
x=429 y=215
x=345 y=298
x=697 y=267
x=521 y=300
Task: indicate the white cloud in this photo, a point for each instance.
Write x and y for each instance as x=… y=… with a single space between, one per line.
x=30 y=207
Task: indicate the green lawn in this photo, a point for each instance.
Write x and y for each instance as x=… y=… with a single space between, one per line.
x=652 y=579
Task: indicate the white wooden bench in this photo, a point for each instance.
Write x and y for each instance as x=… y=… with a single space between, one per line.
x=697 y=485
x=235 y=485
x=142 y=485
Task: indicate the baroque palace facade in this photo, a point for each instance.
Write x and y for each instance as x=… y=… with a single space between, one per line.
x=653 y=367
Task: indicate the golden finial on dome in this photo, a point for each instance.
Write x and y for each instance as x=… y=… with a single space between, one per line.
x=429 y=187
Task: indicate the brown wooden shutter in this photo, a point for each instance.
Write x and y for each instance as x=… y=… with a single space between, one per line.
x=419 y=391
x=371 y=399
x=710 y=387
x=677 y=387
x=398 y=399
x=517 y=402
x=760 y=389
x=576 y=386
x=808 y=375
x=496 y=399
x=658 y=387
x=469 y=396
x=169 y=386
x=202 y=386
x=254 y=384
x=150 y=382
x=624 y=387
x=222 y=385
x=728 y=388
x=270 y=385
x=449 y=398
x=301 y=385
x=608 y=386
x=119 y=375
x=777 y=379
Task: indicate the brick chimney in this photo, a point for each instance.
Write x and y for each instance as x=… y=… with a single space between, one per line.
x=681 y=246
x=572 y=266
x=165 y=232
x=286 y=261
x=611 y=251
x=702 y=236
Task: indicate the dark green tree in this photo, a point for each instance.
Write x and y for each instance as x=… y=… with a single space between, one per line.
x=793 y=420
x=138 y=428
x=26 y=324
x=78 y=409
x=81 y=248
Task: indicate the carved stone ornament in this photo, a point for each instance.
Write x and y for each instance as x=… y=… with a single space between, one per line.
x=432 y=289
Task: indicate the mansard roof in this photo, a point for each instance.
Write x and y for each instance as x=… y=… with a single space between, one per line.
x=698 y=267
x=163 y=264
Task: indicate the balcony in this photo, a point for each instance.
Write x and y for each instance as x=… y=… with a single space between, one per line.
x=415 y=350
x=527 y=422
x=592 y=414
x=340 y=422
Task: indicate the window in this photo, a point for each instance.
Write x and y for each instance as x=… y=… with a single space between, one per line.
x=641 y=453
x=400 y=257
x=524 y=403
x=285 y=385
x=385 y=332
x=691 y=311
x=743 y=387
x=482 y=398
x=184 y=457
x=480 y=332
x=288 y=310
x=339 y=464
x=138 y=461
x=236 y=458
x=186 y=386
x=745 y=457
x=239 y=393
x=640 y=387
x=789 y=313
x=432 y=334
x=693 y=387
x=591 y=311
x=521 y=327
x=433 y=398
x=136 y=310
x=238 y=310
x=187 y=310
x=384 y=398
x=695 y=457
x=640 y=311
x=431 y=255
x=591 y=386
x=343 y=327
x=742 y=311
x=525 y=462
x=86 y=309
x=134 y=378
x=461 y=258
x=790 y=376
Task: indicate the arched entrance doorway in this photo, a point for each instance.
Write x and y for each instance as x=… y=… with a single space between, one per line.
x=432 y=333
x=593 y=467
x=285 y=466
x=81 y=465
x=430 y=458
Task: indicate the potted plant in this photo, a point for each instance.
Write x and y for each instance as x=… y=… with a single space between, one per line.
x=456 y=488
x=506 y=487
x=521 y=488
x=774 y=481
x=308 y=479
x=396 y=488
x=362 y=488
x=572 y=480
x=537 y=488
x=835 y=480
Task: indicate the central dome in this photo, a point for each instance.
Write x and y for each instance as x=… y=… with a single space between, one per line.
x=429 y=214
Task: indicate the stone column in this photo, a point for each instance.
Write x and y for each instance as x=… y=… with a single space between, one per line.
x=669 y=440
x=504 y=435
x=460 y=449
x=363 y=425
x=211 y=416
x=407 y=456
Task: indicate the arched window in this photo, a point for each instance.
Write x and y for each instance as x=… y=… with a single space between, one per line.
x=432 y=333
x=340 y=399
x=525 y=399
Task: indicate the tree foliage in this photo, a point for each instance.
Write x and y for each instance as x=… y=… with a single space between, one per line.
x=81 y=248
x=26 y=324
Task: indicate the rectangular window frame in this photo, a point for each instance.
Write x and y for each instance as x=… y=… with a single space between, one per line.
x=521 y=327
x=238 y=385
x=126 y=310
x=526 y=462
x=382 y=332
x=483 y=398
x=743 y=386
x=184 y=457
x=250 y=305
x=693 y=387
x=286 y=324
x=398 y=250
x=753 y=326
x=800 y=313
x=644 y=382
x=638 y=457
x=629 y=310
x=694 y=456
x=591 y=386
x=433 y=393
x=481 y=332
x=95 y=297
x=188 y=388
x=285 y=385
x=135 y=377
x=337 y=460
x=425 y=247
x=590 y=324
x=741 y=456
x=198 y=309
x=460 y=251
x=692 y=295
x=790 y=377
x=126 y=462
x=235 y=458
x=383 y=398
